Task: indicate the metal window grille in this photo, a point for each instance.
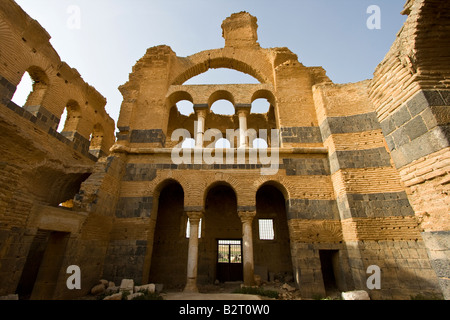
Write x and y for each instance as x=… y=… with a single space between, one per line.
x=266 y=231
x=229 y=251
x=188 y=229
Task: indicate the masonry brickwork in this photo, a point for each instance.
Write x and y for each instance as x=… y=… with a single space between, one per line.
x=362 y=168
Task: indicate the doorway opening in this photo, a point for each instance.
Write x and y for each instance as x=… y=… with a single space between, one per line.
x=170 y=246
x=220 y=222
x=229 y=260
x=329 y=261
x=271 y=241
x=40 y=273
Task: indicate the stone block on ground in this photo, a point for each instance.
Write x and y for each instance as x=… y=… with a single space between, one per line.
x=355 y=295
x=127 y=285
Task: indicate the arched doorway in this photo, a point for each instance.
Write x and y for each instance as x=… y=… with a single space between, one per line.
x=271 y=243
x=221 y=235
x=170 y=246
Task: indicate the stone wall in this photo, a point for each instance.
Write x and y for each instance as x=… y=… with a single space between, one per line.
x=42 y=169
x=362 y=167
x=412 y=106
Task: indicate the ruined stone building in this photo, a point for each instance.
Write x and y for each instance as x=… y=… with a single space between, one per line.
x=355 y=175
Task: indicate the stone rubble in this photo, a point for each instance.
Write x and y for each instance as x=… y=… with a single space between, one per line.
x=127 y=289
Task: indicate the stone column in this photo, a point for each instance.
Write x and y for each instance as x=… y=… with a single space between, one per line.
x=247 y=246
x=201 y=111
x=242 y=111
x=194 y=220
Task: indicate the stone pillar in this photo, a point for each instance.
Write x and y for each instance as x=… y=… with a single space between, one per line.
x=201 y=111
x=194 y=221
x=242 y=111
x=247 y=246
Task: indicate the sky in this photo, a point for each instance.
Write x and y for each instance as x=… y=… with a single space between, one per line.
x=103 y=39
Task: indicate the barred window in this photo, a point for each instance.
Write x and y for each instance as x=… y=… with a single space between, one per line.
x=266 y=231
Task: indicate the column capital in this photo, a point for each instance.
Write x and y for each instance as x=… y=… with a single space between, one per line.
x=201 y=110
x=194 y=216
x=246 y=216
x=242 y=109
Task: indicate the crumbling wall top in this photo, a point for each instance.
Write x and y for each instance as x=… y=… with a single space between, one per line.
x=240 y=30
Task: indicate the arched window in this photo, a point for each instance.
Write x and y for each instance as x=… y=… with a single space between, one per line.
x=96 y=139
x=32 y=88
x=70 y=117
x=23 y=90
x=261 y=105
x=223 y=107
x=62 y=121
x=185 y=107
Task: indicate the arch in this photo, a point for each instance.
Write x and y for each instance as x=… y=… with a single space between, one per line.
x=220 y=95
x=185 y=107
x=272 y=246
x=222 y=76
x=219 y=183
x=163 y=184
x=73 y=116
x=169 y=242
x=181 y=96
x=278 y=185
x=203 y=61
x=178 y=96
x=264 y=94
x=39 y=86
x=221 y=221
x=157 y=191
x=261 y=106
x=96 y=140
x=223 y=107
x=23 y=90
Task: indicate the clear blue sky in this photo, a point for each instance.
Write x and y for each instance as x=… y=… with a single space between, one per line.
x=114 y=34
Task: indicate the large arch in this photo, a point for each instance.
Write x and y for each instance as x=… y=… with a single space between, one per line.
x=220 y=222
x=254 y=63
x=218 y=183
x=271 y=239
x=279 y=185
x=169 y=246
